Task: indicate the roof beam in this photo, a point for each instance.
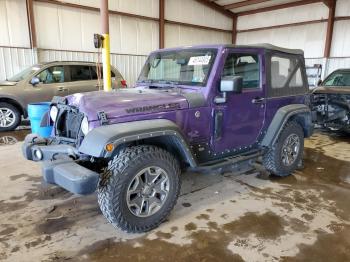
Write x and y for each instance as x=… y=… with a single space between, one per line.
x=328 y=3
x=216 y=7
x=31 y=23
x=234 y=30
x=244 y=3
x=161 y=24
x=330 y=26
x=280 y=6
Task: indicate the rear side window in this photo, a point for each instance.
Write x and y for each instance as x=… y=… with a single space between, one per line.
x=286 y=76
x=80 y=73
x=94 y=73
x=283 y=71
x=244 y=65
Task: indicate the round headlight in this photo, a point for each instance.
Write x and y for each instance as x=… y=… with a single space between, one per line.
x=53 y=113
x=85 y=126
x=38 y=154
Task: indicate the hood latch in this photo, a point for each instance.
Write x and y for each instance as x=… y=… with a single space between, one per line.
x=102 y=117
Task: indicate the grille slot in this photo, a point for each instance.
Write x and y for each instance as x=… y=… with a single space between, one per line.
x=68 y=124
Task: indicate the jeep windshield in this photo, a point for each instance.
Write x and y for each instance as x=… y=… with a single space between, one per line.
x=24 y=73
x=338 y=78
x=179 y=67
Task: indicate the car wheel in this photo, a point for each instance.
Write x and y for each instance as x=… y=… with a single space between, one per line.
x=284 y=157
x=139 y=188
x=10 y=117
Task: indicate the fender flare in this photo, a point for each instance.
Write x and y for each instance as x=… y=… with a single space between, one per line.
x=95 y=141
x=16 y=102
x=298 y=112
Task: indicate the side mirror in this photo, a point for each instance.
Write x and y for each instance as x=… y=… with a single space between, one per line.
x=35 y=81
x=319 y=82
x=231 y=84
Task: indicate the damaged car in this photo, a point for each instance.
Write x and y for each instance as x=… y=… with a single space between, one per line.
x=331 y=102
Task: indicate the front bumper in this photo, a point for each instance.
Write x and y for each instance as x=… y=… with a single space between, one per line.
x=59 y=166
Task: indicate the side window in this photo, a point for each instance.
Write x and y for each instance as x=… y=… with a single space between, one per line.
x=286 y=76
x=80 y=73
x=94 y=72
x=244 y=65
x=282 y=69
x=54 y=74
x=297 y=79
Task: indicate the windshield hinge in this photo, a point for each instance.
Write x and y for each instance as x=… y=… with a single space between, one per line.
x=102 y=117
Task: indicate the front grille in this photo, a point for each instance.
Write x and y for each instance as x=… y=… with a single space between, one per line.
x=68 y=123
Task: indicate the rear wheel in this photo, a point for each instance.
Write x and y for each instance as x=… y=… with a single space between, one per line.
x=286 y=154
x=139 y=188
x=10 y=117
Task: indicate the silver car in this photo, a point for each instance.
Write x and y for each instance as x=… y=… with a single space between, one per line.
x=41 y=82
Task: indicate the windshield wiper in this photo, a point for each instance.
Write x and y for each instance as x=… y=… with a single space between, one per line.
x=168 y=82
x=147 y=81
x=160 y=82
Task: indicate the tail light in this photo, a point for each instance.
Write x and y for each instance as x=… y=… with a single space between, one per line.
x=124 y=84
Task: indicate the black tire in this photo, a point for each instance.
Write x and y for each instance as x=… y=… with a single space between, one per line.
x=17 y=116
x=272 y=160
x=115 y=180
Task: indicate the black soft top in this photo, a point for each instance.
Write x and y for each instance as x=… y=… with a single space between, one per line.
x=270 y=47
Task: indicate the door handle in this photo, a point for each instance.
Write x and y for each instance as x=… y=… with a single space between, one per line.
x=61 y=88
x=258 y=100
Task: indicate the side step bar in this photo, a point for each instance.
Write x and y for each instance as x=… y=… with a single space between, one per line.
x=232 y=162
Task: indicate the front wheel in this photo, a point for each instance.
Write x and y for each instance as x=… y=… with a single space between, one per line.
x=10 y=117
x=285 y=155
x=139 y=188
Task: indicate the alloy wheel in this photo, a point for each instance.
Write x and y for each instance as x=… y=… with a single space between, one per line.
x=7 y=117
x=148 y=191
x=290 y=149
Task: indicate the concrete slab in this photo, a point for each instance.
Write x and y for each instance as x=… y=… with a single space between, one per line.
x=230 y=217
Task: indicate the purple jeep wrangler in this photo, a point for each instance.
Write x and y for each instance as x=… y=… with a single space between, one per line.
x=204 y=108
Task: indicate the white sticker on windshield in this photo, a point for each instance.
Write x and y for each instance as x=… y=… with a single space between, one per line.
x=199 y=60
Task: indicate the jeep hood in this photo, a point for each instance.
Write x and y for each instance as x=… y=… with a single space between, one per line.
x=127 y=102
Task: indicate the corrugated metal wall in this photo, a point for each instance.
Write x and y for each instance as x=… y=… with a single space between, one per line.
x=193 y=12
x=177 y=35
x=189 y=11
x=66 y=33
x=73 y=29
x=283 y=16
x=13 y=60
x=335 y=63
x=13 y=23
x=308 y=37
x=139 y=7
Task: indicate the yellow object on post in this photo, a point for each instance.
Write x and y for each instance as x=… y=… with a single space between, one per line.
x=106 y=50
x=106 y=54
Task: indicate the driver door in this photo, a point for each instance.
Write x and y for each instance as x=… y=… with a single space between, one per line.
x=240 y=119
x=51 y=83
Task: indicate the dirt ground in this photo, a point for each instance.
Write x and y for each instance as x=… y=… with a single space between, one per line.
x=230 y=217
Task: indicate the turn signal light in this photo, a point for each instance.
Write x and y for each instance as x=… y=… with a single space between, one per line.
x=109 y=147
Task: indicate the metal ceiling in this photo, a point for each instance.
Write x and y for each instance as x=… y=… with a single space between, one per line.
x=244 y=7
